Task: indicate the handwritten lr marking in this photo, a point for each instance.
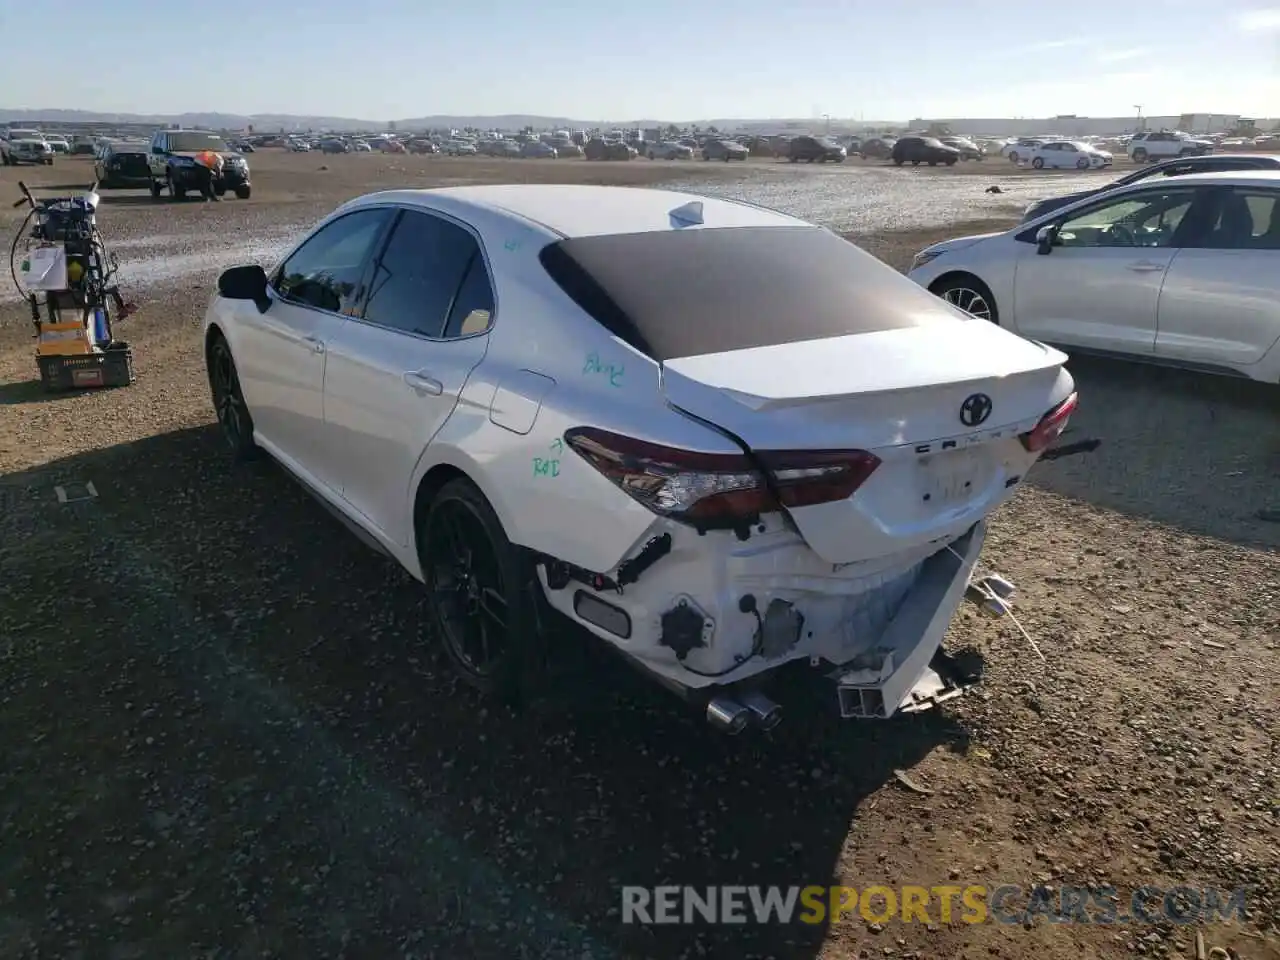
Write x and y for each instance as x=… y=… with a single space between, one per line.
x=545 y=468
x=557 y=446
x=612 y=371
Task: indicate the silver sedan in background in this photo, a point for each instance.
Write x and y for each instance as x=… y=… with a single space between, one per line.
x=1183 y=271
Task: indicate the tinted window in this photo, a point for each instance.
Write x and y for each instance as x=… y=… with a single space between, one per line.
x=686 y=293
x=472 y=310
x=325 y=271
x=1150 y=219
x=417 y=276
x=190 y=142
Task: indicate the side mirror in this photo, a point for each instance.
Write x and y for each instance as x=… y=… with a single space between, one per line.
x=1046 y=238
x=245 y=283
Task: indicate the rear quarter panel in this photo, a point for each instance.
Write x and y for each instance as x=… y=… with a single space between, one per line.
x=547 y=497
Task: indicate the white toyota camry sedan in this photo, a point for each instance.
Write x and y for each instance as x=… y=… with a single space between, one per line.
x=718 y=438
x=1181 y=270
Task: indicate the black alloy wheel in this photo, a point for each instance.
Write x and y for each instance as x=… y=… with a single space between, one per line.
x=228 y=402
x=480 y=592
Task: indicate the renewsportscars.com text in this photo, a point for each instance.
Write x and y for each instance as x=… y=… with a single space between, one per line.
x=976 y=903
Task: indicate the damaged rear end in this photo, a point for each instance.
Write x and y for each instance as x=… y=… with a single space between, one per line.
x=859 y=432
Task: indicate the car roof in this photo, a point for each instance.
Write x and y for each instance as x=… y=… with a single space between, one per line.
x=1243 y=178
x=1207 y=158
x=576 y=210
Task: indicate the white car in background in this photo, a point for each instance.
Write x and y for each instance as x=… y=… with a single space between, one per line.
x=1182 y=271
x=1018 y=150
x=460 y=148
x=1057 y=154
x=602 y=402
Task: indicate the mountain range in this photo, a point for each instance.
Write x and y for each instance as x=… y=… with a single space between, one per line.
x=269 y=122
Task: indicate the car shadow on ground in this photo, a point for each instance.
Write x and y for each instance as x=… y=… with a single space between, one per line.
x=1190 y=450
x=256 y=641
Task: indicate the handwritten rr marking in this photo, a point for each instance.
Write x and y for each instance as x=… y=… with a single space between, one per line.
x=593 y=366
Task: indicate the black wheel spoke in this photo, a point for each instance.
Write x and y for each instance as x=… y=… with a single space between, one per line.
x=494 y=606
x=457 y=539
x=465 y=580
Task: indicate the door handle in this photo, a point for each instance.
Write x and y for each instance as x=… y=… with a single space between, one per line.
x=1145 y=266
x=315 y=343
x=424 y=384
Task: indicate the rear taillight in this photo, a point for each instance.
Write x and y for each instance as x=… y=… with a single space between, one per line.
x=711 y=490
x=1050 y=426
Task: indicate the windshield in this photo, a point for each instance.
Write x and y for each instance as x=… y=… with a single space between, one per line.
x=192 y=142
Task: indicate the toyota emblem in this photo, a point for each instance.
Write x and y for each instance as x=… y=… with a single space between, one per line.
x=975 y=409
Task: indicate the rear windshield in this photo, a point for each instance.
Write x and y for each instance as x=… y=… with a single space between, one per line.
x=190 y=142
x=685 y=293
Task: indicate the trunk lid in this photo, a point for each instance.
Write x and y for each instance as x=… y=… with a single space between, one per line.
x=898 y=394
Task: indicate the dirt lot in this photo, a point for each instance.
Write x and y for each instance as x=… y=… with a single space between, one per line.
x=229 y=734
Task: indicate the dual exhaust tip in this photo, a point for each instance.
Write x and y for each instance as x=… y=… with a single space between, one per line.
x=733 y=715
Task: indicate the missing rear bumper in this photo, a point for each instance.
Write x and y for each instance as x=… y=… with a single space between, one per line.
x=907 y=670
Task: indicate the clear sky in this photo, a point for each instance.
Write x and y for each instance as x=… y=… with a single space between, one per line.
x=652 y=59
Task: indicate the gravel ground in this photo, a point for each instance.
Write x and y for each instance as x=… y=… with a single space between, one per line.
x=229 y=735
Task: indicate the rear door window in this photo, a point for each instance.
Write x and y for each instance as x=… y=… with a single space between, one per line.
x=417 y=277
x=1246 y=219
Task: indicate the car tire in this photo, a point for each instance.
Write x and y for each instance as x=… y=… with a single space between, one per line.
x=958 y=289
x=1038 y=163
x=176 y=192
x=498 y=594
x=915 y=163
x=229 y=406
x=898 y=161
x=1140 y=155
x=1082 y=163
x=1013 y=156
x=155 y=189
x=243 y=191
x=951 y=161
